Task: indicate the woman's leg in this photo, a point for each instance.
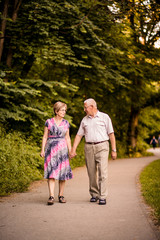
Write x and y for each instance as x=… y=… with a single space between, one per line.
x=61 y=187
x=51 y=186
x=61 y=191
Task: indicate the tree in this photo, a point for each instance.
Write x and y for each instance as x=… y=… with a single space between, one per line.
x=69 y=51
x=33 y=33
x=133 y=66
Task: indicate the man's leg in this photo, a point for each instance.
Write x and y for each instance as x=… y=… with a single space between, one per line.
x=102 y=152
x=92 y=170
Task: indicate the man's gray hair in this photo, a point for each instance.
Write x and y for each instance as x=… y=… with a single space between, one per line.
x=91 y=101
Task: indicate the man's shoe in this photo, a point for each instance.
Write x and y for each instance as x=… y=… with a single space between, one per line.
x=102 y=201
x=51 y=200
x=93 y=199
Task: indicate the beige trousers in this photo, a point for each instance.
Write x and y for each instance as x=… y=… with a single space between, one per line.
x=96 y=157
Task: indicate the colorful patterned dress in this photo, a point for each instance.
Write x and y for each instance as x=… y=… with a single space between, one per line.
x=56 y=163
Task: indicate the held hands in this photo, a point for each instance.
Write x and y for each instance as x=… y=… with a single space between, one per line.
x=72 y=154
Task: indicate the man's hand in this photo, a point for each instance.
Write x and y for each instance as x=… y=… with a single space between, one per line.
x=114 y=155
x=77 y=140
x=72 y=154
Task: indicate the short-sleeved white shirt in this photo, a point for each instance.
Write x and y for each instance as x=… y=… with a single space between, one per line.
x=97 y=128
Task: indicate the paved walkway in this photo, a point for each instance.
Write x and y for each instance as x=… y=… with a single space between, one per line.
x=26 y=216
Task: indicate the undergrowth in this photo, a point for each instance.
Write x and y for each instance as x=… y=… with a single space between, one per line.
x=20 y=163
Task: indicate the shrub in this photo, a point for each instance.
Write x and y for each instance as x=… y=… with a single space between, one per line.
x=20 y=163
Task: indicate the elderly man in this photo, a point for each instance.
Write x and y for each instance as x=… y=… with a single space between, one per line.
x=97 y=129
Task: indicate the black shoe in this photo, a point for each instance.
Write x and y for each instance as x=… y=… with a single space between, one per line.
x=93 y=199
x=102 y=201
x=61 y=199
x=51 y=200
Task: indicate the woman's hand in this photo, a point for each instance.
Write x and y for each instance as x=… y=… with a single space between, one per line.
x=72 y=154
x=42 y=154
x=44 y=140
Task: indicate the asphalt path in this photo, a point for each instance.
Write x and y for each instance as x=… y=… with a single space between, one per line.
x=26 y=216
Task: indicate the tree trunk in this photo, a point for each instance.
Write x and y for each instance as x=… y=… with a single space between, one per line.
x=133 y=129
x=17 y=4
x=3 y=26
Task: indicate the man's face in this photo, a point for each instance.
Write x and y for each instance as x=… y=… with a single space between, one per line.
x=88 y=109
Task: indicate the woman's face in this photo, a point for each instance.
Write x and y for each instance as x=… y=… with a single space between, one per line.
x=61 y=113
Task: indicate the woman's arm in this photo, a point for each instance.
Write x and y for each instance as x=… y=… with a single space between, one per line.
x=68 y=140
x=44 y=140
x=75 y=145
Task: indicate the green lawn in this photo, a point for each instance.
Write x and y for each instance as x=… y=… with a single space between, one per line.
x=150 y=182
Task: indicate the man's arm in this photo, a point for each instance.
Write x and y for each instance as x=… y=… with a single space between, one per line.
x=75 y=145
x=113 y=146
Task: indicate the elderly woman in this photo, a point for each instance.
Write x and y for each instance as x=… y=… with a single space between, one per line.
x=55 y=146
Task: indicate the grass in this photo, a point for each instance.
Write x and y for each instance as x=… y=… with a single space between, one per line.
x=79 y=160
x=150 y=182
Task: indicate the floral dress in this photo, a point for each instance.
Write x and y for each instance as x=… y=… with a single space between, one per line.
x=56 y=164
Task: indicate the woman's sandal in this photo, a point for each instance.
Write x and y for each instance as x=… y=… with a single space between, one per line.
x=51 y=200
x=61 y=199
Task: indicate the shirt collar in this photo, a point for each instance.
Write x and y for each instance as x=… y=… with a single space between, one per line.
x=97 y=115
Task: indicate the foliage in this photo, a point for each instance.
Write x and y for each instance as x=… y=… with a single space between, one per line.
x=16 y=100
x=22 y=104
x=149 y=179
x=20 y=163
x=149 y=126
x=72 y=50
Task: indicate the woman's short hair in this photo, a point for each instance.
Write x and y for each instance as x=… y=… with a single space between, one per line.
x=91 y=101
x=58 y=105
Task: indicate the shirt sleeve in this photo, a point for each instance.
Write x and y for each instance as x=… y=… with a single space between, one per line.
x=68 y=125
x=109 y=125
x=81 y=129
x=46 y=123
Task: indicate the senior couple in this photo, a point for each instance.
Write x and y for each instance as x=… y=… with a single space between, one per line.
x=97 y=129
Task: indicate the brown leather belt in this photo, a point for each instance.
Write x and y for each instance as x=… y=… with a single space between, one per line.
x=95 y=142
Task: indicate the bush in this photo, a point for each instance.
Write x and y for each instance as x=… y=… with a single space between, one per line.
x=20 y=163
x=124 y=152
